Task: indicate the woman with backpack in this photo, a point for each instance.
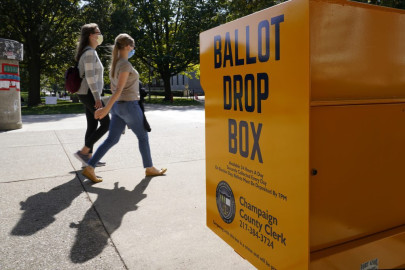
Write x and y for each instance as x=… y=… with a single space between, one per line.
x=91 y=70
x=125 y=108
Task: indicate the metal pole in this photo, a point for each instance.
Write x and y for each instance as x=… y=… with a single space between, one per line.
x=150 y=81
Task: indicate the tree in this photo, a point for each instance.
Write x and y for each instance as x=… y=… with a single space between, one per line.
x=46 y=28
x=166 y=34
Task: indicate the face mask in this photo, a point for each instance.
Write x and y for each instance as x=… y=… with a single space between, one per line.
x=131 y=53
x=99 y=39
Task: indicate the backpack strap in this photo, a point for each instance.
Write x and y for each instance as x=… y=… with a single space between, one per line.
x=77 y=63
x=86 y=49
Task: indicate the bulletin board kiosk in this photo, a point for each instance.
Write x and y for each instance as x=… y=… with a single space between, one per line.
x=11 y=53
x=305 y=135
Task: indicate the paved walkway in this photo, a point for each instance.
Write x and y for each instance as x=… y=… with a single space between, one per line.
x=53 y=218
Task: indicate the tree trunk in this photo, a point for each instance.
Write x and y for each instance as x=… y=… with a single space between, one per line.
x=168 y=89
x=34 y=79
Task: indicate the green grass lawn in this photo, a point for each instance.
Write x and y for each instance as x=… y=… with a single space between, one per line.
x=66 y=107
x=177 y=101
x=60 y=108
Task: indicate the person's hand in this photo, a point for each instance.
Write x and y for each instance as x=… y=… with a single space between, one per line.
x=98 y=104
x=100 y=113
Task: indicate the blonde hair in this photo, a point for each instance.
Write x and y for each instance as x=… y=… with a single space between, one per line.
x=121 y=41
x=84 y=40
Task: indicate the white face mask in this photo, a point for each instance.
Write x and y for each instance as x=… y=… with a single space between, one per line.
x=99 y=39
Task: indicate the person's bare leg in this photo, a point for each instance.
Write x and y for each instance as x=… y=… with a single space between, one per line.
x=85 y=150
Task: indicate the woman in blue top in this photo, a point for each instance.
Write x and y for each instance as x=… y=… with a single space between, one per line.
x=125 y=109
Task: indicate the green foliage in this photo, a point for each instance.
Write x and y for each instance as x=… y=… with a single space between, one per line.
x=193 y=71
x=67 y=107
x=46 y=28
x=60 y=108
x=175 y=102
x=167 y=34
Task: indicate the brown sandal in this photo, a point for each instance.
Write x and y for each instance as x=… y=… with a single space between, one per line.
x=90 y=175
x=155 y=172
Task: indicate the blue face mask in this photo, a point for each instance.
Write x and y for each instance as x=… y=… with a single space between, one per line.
x=131 y=53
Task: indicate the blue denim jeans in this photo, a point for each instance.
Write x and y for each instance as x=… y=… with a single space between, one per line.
x=122 y=114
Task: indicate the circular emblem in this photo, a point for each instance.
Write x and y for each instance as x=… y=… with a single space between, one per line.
x=225 y=202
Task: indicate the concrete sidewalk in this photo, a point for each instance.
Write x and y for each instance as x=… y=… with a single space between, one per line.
x=51 y=217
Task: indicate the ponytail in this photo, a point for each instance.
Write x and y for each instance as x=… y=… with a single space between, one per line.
x=114 y=59
x=121 y=41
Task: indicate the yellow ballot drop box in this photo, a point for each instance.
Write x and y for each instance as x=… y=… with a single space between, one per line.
x=305 y=135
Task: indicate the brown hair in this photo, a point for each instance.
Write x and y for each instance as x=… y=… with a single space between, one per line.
x=85 y=32
x=121 y=41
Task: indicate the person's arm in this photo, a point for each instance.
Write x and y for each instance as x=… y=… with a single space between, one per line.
x=122 y=80
x=89 y=73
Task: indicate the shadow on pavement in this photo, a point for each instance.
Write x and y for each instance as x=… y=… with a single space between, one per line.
x=40 y=209
x=91 y=237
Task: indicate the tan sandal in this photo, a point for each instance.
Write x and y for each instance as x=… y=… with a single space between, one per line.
x=154 y=172
x=89 y=174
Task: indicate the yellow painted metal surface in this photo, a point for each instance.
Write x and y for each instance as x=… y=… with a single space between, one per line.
x=276 y=183
x=305 y=135
x=357 y=51
x=384 y=250
x=357 y=131
x=358 y=153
